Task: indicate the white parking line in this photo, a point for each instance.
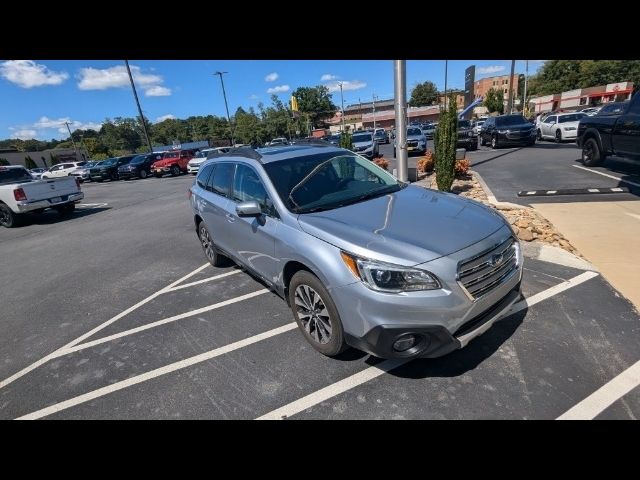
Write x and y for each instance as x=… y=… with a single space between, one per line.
x=605 y=396
x=164 y=321
x=377 y=370
x=43 y=360
x=187 y=362
x=607 y=175
x=210 y=279
x=593 y=190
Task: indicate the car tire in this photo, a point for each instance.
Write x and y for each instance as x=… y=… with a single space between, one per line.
x=113 y=177
x=394 y=152
x=539 y=135
x=558 y=136
x=175 y=171
x=8 y=218
x=209 y=247
x=482 y=142
x=316 y=314
x=494 y=142
x=592 y=156
x=143 y=174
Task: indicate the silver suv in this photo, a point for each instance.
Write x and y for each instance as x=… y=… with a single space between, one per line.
x=363 y=259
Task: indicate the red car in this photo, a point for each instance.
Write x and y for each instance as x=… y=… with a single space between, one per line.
x=174 y=162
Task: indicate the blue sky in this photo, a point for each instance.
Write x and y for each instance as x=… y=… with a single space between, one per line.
x=36 y=97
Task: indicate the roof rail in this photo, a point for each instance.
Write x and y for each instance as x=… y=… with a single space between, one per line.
x=314 y=141
x=243 y=152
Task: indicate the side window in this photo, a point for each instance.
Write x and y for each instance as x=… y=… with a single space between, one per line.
x=220 y=181
x=247 y=187
x=203 y=176
x=550 y=120
x=634 y=108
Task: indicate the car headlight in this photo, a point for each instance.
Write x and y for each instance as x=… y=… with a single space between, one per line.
x=385 y=277
x=470 y=133
x=569 y=128
x=503 y=131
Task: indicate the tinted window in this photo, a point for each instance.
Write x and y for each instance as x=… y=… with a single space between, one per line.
x=635 y=107
x=220 y=181
x=551 y=119
x=203 y=176
x=611 y=109
x=464 y=124
x=248 y=187
x=361 y=137
x=510 y=120
x=570 y=118
x=13 y=175
x=414 y=131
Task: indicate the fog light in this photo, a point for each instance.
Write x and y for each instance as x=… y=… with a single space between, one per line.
x=404 y=342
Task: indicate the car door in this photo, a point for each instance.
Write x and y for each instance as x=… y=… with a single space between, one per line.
x=548 y=126
x=626 y=131
x=253 y=238
x=214 y=208
x=488 y=130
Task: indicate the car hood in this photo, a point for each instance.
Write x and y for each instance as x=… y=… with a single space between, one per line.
x=409 y=227
x=521 y=126
x=196 y=161
x=415 y=137
x=368 y=143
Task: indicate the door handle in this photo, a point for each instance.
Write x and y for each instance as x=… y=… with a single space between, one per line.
x=230 y=218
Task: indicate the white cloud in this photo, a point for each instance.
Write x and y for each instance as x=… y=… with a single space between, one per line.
x=272 y=77
x=46 y=122
x=346 y=85
x=29 y=74
x=157 y=91
x=162 y=118
x=117 y=77
x=278 y=89
x=58 y=123
x=490 y=69
x=25 y=134
x=253 y=96
x=327 y=77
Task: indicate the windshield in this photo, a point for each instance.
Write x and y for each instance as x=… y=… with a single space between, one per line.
x=464 y=124
x=139 y=159
x=361 y=137
x=414 y=131
x=326 y=181
x=108 y=162
x=203 y=153
x=571 y=118
x=14 y=175
x=510 y=120
x=171 y=155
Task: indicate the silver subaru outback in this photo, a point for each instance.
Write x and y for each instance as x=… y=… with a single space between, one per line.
x=363 y=259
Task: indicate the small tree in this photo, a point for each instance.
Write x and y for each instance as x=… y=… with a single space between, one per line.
x=4 y=161
x=29 y=163
x=445 y=139
x=494 y=100
x=54 y=159
x=346 y=140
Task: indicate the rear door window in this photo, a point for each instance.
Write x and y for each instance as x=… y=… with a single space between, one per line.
x=220 y=181
x=203 y=176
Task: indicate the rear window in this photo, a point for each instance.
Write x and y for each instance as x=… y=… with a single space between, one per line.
x=14 y=175
x=171 y=155
x=571 y=118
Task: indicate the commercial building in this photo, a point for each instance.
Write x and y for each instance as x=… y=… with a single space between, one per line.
x=482 y=86
x=44 y=158
x=580 y=98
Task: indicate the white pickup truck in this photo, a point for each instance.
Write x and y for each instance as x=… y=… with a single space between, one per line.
x=21 y=193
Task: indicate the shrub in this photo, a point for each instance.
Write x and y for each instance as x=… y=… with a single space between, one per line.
x=425 y=164
x=382 y=163
x=29 y=163
x=461 y=167
x=4 y=161
x=54 y=159
x=346 y=141
x=445 y=138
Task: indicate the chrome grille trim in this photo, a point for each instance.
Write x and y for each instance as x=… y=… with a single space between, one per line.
x=478 y=275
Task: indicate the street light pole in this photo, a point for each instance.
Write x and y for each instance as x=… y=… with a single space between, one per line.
x=342 y=101
x=524 y=96
x=374 y=112
x=400 y=90
x=135 y=95
x=446 y=68
x=224 y=94
x=510 y=101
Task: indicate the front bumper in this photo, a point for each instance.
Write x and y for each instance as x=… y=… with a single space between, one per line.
x=516 y=139
x=127 y=173
x=193 y=168
x=40 y=204
x=569 y=134
x=160 y=170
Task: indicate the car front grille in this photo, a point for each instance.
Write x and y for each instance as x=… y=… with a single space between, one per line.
x=479 y=275
x=412 y=144
x=519 y=134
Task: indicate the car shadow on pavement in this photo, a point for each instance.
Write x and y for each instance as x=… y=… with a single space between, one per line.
x=461 y=361
x=51 y=217
x=474 y=164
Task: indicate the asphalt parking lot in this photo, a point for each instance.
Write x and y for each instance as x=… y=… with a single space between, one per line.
x=114 y=314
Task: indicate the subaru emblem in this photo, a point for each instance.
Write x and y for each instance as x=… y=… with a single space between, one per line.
x=496 y=259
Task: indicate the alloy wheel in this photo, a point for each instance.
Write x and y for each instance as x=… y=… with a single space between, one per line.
x=313 y=314
x=207 y=244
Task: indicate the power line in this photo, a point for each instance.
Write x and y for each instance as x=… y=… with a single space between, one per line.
x=135 y=95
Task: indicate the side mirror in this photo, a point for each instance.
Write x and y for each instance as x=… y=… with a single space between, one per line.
x=248 y=209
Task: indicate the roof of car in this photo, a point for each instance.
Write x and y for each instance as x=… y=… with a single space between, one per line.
x=276 y=154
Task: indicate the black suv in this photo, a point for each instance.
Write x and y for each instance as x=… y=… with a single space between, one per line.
x=467 y=137
x=139 y=166
x=108 y=170
x=508 y=130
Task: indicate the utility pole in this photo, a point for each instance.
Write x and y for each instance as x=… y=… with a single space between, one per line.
x=224 y=94
x=510 y=101
x=524 y=96
x=400 y=90
x=342 y=100
x=374 y=112
x=446 y=68
x=135 y=95
x=75 y=149
x=360 y=111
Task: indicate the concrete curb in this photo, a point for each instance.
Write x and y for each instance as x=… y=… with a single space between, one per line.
x=557 y=255
x=491 y=197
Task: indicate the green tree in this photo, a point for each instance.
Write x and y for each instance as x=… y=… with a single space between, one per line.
x=424 y=94
x=54 y=159
x=445 y=139
x=494 y=100
x=4 y=162
x=29 y=163
x=315 y=102
x=346 y=140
